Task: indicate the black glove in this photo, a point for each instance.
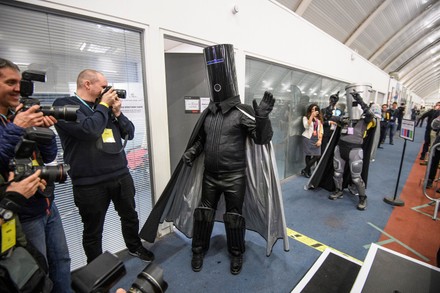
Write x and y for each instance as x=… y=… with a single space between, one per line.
x=334 y=99
x=192 y=153
x=189 y=156
x=359 y=100
x=266 y=105
x=356 y=96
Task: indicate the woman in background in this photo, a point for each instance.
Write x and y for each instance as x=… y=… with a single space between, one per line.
x=312 y=138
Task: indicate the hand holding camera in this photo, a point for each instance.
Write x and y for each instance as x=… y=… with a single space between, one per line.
x=32 y=117
x=108 y=96
x=28 y=186
x=22 y=164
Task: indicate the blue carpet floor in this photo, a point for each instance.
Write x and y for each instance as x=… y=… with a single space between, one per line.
x=337 y=224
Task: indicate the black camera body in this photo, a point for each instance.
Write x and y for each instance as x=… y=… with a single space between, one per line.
x=122 y=94
x=67 y=113
x=22 y=164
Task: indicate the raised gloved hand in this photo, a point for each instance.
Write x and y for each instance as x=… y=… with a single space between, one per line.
x=359 y=100
x=356 y=96
x=334 y=99
x=266 y=105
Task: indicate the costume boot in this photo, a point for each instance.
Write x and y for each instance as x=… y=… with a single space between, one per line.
x=362 y=205
x=235 y=230
x=203 y=224
x=336 y=194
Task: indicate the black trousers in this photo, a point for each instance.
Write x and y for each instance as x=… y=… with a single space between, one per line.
x=93 y=202
x=232 y=185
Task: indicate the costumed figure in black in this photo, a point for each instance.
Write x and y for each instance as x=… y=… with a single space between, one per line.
x=349 y=149
x=347 y=155
x=221 y=141
x=328 y=115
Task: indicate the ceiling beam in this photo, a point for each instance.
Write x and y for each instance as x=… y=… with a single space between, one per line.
x=421 y=51
x=302 y=7
x=426 y=85
x=360 y=29
x=403 y=30
x=421 y=74
x=421 y=63
x=410 y=48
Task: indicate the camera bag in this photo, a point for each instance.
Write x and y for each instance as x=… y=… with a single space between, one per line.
x=21 y=272
x=99 y=275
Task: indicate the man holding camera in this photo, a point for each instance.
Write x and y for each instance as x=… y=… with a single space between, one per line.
x=39 y=216
x=18 y=258
x=98 y=164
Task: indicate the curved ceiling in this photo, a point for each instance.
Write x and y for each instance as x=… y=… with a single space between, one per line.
x=402 y=37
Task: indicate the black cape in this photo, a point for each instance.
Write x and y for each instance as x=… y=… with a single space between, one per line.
x=323 y=174
x=262 y=207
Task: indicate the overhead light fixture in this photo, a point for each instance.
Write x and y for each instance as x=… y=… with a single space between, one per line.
x=83 y=45
x=97 y=48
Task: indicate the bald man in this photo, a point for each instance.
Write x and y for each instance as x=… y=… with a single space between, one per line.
x=98 y=166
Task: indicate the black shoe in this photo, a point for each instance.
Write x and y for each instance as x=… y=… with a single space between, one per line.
x=379 y=147
x=337 y=194
x=143 y=253
x=391 y=142
x=305 y=173
x=236 y=264
x=197 y=262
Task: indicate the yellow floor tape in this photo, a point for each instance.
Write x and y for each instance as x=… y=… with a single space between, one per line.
x=314 y=244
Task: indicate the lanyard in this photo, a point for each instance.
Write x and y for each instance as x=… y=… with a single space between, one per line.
x=4 y=119
x=82 y=101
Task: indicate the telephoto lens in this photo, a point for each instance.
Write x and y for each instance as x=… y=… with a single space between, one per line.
x=150 y=280
x=67 y=113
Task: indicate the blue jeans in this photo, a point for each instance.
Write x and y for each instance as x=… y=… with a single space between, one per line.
x=392 y=128
x=46 y=233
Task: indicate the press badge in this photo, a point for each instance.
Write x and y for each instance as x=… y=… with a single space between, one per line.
x=350 y=130
x=107 y=136
x=8 y=235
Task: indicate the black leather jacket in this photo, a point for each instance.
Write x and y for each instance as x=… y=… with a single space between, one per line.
x=224 y=133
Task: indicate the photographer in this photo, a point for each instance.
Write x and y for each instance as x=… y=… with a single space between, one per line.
x=98 y=165
x=39 y=216
x=14 y=275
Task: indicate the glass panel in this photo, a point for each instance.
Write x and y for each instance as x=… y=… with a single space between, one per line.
x=62 y=47
x=294 y=90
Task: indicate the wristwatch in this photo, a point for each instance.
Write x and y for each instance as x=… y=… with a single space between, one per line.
x=6 y=214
